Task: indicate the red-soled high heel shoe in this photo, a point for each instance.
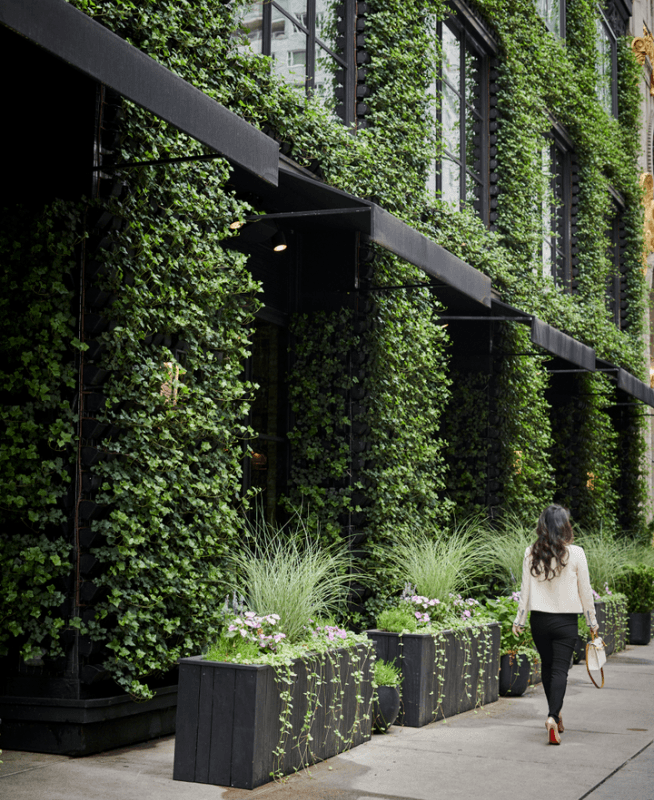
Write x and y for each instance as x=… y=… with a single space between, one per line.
x=553 y=735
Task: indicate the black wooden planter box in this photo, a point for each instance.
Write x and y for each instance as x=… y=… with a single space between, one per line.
x=83 y=727
x=432 y=689
x=228 y=718
x=640 y=627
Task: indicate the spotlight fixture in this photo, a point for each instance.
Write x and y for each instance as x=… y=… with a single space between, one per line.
x=279 y=242
x=234 y=226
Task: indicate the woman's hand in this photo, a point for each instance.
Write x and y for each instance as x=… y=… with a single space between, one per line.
x=517 y=630
x=595 y=630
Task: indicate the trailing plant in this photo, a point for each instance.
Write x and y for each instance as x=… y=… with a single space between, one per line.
x=322 y=650
x=615 y=609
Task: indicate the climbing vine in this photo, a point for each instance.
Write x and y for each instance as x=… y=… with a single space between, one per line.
x=177 y=305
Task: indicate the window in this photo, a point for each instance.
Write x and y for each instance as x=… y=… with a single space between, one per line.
x=552 y=12
x=266 y=469
x=460 y=175
x=557 y=209
x=607 y=65
x=302 y=37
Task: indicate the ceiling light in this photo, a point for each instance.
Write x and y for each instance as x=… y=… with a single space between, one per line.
x=279 y=242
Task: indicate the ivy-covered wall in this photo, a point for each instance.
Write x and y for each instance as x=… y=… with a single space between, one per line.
x=386 y=436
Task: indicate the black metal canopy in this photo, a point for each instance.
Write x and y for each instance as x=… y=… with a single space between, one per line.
x=304 y=201
x=562 y=345
x=564 y=348
x=397 y=237
x=634 y=387
x=627 y=382
x=74 y=37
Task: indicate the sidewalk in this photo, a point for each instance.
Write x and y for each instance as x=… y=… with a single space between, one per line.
x=501 y=751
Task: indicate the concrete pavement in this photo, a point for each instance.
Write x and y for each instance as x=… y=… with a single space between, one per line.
x=501 y=751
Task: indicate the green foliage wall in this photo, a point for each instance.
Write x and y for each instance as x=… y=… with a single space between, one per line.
x=38 y=379
x=173 y=481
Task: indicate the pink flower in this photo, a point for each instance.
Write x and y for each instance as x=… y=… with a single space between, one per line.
x=466 y=613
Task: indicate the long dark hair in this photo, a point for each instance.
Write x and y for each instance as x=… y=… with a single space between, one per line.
x=554 y=533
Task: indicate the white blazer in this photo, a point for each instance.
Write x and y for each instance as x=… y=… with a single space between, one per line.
x=567 y=593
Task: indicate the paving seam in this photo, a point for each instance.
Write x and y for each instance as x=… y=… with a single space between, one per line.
x=28 y=769
x=611 y=774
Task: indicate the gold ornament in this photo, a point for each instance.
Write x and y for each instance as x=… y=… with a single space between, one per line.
x=647 y=184
x=643 y=48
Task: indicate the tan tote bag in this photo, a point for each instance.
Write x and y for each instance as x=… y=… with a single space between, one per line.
x=596 y=658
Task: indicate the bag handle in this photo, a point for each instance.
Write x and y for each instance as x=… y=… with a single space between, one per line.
x=588 y=644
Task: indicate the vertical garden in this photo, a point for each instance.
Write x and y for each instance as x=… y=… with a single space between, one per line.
x=127 y=320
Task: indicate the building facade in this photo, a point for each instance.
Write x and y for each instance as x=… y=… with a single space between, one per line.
x=382 y=262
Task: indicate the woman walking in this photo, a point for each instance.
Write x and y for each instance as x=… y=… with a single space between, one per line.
x=555 y=588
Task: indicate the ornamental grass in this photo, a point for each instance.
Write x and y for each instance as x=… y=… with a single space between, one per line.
x=287 y=571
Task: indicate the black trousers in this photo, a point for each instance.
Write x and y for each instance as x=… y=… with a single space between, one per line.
x=554 y=636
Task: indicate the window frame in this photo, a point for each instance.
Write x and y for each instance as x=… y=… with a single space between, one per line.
x=473 y=36
x=561 y=33
x=345 y=62
x=561 y=242
x=603 y=20
x=614 y=291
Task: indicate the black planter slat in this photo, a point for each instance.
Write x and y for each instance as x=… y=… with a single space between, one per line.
x=205 y=718
x=228 y=724
x=244 y=771
x=221 y=731
x=186 y=729
x=272 y=708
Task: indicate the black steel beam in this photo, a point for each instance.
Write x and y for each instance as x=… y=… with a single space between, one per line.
x=88 y=46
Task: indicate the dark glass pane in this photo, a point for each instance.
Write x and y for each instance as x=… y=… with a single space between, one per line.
x=546 y=212
x=472 y=133
x=326 y=23
x=267 y=465
x=472 y=81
